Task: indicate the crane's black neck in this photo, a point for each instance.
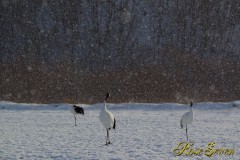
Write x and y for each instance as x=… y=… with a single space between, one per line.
x=105 y=103
x=107 y=95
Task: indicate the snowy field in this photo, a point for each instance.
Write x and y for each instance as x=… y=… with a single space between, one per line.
x=143 y=131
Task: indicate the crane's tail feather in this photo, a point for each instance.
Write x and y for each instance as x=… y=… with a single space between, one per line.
x=114 y=123
x=181 y=123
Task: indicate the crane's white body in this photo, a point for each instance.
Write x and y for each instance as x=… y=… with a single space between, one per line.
x=186 y=119
x=106 y=117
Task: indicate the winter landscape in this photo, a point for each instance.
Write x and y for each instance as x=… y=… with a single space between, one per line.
x=143 y=131
x=154 y=57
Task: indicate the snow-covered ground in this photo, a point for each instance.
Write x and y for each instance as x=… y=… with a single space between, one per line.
x=143 y=131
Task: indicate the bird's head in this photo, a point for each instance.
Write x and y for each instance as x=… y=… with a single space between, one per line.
x=107 y=95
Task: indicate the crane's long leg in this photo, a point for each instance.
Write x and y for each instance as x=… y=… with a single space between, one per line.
x=107 y=137
x=186 y=133
x=75 y=120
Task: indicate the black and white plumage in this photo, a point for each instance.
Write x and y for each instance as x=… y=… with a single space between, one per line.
x=76 y=110
x=187 y=118
x=107 y=119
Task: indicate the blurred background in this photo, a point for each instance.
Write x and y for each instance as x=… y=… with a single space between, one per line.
x=141 y=51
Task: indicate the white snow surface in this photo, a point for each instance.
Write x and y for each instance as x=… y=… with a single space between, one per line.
x=143 y=131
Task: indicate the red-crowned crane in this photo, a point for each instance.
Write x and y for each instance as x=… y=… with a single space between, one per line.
x=76 y=110
x=187 y=118
x=107 y=119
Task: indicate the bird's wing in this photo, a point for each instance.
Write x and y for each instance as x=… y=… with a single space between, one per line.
x=185 y=115
x=111 y=117
x=107 y=119
x=186 y=119
x=79 y=110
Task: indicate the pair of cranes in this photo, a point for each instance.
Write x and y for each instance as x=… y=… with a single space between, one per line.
x=109 y=122
x=106 y=117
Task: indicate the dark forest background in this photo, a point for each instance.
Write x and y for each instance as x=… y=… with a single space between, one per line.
x=141 y=51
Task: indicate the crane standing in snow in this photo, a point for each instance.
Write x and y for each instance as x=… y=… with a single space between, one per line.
x=187 y=118
x=107 y=119
x=76 y=110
